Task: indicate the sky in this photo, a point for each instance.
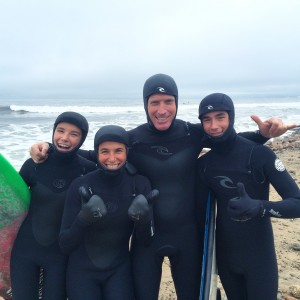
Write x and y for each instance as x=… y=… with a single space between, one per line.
x=96 y=48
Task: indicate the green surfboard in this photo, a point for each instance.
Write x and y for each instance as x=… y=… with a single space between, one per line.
x=14 y=203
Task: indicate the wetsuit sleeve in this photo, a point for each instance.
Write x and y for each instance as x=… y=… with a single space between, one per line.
x=27 y=171
x=72 y=230
x=88 y=154
x=284 y=184
x=254 y=136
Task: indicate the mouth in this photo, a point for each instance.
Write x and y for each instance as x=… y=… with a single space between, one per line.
x=216 y=133
x=63 y=147
x=162 y=119
x=112 y=166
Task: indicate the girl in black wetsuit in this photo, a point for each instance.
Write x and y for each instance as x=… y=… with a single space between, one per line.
x=239 y=173
x=36 y=245
x=102 y=210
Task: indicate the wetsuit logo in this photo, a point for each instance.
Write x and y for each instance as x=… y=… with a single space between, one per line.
x=226 y=182
x=161 y=150
x=209 y=107
x=161 y=89
x=59 y=183
x=279 y=166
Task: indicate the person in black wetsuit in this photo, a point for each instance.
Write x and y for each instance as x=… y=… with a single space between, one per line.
x=36 y=245
x=165 y=150
x=102 y=211
x=239 y=173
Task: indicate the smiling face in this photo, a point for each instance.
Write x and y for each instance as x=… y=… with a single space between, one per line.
x=215 y=123
x=66 y=137
x=112 y=155
x=161 y=110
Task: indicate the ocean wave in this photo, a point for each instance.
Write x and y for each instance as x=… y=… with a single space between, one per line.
x=5 y=109
x=79 y=109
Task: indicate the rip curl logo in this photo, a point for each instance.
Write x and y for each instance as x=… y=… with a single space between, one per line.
x=226 y=182
x=161 y=150
x=209 y=107
x=59 y=183
x=279 y=166
x=161 y=89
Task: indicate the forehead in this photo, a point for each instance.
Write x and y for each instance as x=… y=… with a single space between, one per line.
x=111 y=145
x=158 y=97
x=216 y=113
x=68 y=126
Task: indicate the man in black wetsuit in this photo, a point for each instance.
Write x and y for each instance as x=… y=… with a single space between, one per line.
x=36 y=245
x=165 y=150
x=239 y=172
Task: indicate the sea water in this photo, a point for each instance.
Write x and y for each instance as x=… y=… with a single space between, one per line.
x=24 y=122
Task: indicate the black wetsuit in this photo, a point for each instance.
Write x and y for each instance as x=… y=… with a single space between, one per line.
x=36 y=245
x=99 y=262
x=246 y=256
x=168 y=159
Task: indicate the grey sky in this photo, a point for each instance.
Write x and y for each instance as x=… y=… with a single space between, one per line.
x=91 y=48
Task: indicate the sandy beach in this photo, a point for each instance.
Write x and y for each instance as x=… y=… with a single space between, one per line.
x=286 y=232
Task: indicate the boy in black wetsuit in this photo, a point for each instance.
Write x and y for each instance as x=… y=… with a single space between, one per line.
x=36 y=245
x=102 y=211
x=239 y=172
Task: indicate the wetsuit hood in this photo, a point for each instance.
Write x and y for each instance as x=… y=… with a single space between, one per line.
x=218 y=102
x=159 y=84
x=110 y=133
x=77 y=120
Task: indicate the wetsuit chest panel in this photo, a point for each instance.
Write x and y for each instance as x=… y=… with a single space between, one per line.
x=106 y=242
x=171 y=167
x=46 y=226
x=222 y=173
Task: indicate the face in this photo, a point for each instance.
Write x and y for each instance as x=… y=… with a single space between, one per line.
x=161 y=110
x=66 y=137
x=215 y=123
x=112 y=155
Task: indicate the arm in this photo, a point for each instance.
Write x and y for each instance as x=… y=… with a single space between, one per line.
x=244 y=207
x=72 y=230
x=39 y=152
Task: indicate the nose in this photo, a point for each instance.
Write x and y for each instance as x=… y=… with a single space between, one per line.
x=214 y=124
x=64 y=136
x=111 y=157
x=162 y=109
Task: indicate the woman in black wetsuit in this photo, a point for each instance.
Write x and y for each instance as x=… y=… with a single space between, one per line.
x=239 y=173
x=36 y=245
x=102 y=210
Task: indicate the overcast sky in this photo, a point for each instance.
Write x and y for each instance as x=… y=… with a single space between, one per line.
x=91 y=48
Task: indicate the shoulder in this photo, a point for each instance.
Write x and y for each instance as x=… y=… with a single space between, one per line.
x=86 y=164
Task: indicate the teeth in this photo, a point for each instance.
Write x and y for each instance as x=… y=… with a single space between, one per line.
x=63 y=146
x=112 y=166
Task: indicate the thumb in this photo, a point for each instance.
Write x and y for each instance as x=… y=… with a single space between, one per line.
x=241 y=189
x=152 y=195
x=257 y=120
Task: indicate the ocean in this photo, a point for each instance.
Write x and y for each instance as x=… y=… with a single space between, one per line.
x=24 y=122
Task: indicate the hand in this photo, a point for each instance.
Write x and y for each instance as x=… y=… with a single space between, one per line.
x=272 y=127
x=244 y=208
x=139 y=208
x=39 y=152
x=92 y=211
